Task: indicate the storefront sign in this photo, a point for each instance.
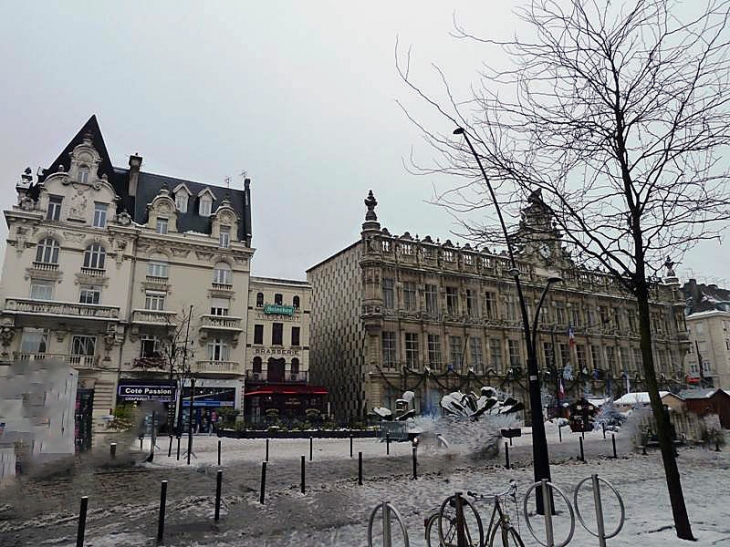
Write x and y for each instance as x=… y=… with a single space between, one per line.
x=277 y=309
x=269 y=317
x=275 y=351
x=144 y=391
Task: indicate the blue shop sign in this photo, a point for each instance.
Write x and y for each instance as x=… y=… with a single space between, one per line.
x=135 y=390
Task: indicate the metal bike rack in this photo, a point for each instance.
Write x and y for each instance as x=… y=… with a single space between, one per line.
x=387 y=509
x=600 y=525
x=547 y=486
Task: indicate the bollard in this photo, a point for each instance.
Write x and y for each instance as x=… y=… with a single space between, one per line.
x=386 y=525
x=169 y=448
x=113 y=450
x=351 y=446
x=548 y=510
x=415 y=462
x=219 y=452
x=267 y=452
x=178 y=448
x=599 y=510
x=613 y=442
x=510 y=441
x=582 y=454
x=387 y=444
x=263 y=482
x=603 y=426
x=161 y=519
x=82 y=522
x=311 y=444
x=583 y=433
x=506 y=455
x=461 y=539
x=304 y=483
x=560 y=433
x=359 y=468
x=141 y=440
x=218 y=487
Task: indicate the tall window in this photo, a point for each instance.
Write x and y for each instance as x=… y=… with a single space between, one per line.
x=389 y=354
x=258 y=334
x=625 y=359
x=278 y=299
x=277 y=334
x=181 y=201
x=489 y=305
x=412 y=349
x=41 y=290
x=47 y=251
x=295 y=302
x=100 y=210
x=206 y=206
x=150 y=346
x=94 y=256
x=154 y=300
x=224 y=238
x=564 y=354
x=580 y=351
x=452 y=300
x=90 y=295
x=257 y=365
x=611 y=358
x=295 y=336
x=471 y=308
x=495 y=353
x=409 y=296
x=389 y=292
x=547 y=351
x=513 y=348
x=83 y=174
x=54 y=208
x=456 y=351
x=560 y=316
x=218 y=350
x=475 y=352
x=222 y=274
x=83 y=345
x=157 y=269
x=161 y=226
x=511 y=309
x=596 y=356
x=638 y=359
x=295 y=366
x=434 y=350
x=219 y=306
x=34 y=341
x=432 y=299
x=260 y=300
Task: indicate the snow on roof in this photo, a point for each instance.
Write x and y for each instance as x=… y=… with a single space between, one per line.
x=699 y=393
x=599 y=402
x=638 y=397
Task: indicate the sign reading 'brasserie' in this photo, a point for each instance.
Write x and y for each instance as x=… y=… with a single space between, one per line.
x=275 y=351
x=146 y=392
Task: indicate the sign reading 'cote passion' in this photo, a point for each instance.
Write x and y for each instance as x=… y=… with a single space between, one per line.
x=277 y=309
x=144 y=391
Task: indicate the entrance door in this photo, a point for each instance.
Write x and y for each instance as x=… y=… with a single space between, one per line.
x=275 y=371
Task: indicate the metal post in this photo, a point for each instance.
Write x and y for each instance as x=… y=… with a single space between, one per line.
x=178 y=448
x=582 y=454
x=263 y=483
x=82 y=522
x=506 y=455
x=141 y=439
x=267 y=449
x=460 y=531
x=613 y=443
x=351 y=446
x=161 y=519
x=386 y=525
x=113 y=450
x=190 y=417
x=415 y=462
x=311 y=444
x=560 y=433
x=387 y=444
x=603 y=426
x=599 y=511
x=547 y=504
x=219 y=451
x=303 y=482
x=218 y=488
x=169 y=448
x=359 y=468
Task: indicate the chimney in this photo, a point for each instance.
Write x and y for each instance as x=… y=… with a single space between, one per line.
x=135 y=162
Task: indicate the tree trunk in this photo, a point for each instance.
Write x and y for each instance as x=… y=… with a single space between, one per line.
x=674 y=484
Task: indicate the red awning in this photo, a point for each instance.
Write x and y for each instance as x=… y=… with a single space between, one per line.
x=288 y=390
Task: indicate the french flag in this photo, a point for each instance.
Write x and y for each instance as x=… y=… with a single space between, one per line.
x=571 y=336
x=561 y=390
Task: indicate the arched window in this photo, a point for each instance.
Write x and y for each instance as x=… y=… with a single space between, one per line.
x=295 y=366
x=295 y=302
x=84 y=174
x=278 y=299
x=222 y=274
x=94 y=256
x=47 y=251
x=260 y=300
x=257 y=364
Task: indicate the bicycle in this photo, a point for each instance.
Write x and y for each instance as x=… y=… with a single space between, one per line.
x=442 y=530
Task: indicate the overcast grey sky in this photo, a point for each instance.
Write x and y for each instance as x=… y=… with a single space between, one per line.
x=301 y=95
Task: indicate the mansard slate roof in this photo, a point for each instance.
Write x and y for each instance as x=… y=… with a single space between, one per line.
x=149 y=186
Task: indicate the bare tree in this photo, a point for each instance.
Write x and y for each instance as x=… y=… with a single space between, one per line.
x=618 y=114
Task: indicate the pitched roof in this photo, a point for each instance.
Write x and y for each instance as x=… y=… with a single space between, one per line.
x=637 y=398
x=700 y=393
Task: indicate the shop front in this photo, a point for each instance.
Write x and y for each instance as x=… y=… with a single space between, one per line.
x=211 y=401
x=287 y=403
x=135 y=392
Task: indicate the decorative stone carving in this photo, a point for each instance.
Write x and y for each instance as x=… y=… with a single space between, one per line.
x=77 y=209
x=124 y=218
x=6 y=335
x=180 y=253
x=207 y=257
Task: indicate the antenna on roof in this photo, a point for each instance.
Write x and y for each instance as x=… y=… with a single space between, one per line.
x=228 y=182
x=243 y=174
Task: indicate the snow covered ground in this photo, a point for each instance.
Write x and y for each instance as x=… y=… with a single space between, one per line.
x=123 y=501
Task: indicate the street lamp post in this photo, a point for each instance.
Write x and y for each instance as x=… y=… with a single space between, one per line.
x=539 y=441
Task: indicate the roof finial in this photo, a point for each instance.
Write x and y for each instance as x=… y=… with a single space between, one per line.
x=371 y=203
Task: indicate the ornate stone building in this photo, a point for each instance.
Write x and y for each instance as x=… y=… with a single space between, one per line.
x=392 y=313
x=112 y=270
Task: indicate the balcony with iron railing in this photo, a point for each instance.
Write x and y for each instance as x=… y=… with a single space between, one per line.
x=221 y=322
x=153 y=317
x=216 y=367
x=287 y=377
x=65 y=309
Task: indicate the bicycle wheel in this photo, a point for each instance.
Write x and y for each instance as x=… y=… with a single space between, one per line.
x=447 y=529
x=508 y=537
x=432 y=531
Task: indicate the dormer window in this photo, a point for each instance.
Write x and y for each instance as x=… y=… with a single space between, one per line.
x=225 y=237
x=84 y=174
x=161 y=227
x=206 y=206
x=181 y=202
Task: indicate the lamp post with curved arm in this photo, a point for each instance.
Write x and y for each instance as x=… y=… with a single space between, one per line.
x=539 y=441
